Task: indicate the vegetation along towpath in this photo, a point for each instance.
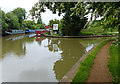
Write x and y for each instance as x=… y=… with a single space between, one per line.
x=100 y=71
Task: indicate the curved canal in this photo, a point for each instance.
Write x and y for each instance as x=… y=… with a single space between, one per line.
x=30 y=59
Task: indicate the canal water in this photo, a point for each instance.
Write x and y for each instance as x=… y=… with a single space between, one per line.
x=30 y=59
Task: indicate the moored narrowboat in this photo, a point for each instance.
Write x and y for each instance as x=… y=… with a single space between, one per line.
x=40 y=32
x=15 y=32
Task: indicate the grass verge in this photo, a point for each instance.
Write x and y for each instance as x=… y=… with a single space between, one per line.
x=113 y=61
x=86 y=65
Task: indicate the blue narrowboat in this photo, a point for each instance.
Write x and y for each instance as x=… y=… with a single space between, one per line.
x=30 y=31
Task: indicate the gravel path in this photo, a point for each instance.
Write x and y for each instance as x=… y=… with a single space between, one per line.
x=100 y=71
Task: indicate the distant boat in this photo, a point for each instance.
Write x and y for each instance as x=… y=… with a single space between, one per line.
x=40 y=32
x=15 y=32
x=30 y=31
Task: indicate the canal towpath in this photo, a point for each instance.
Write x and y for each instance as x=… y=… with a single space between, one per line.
x=100 y=71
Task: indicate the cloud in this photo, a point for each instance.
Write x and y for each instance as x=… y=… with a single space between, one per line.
x=9 y=5
x=48 y=15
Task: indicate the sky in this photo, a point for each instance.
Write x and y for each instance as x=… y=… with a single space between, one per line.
x=10 y=5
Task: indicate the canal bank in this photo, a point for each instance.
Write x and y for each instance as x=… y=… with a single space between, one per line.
x=85 y=36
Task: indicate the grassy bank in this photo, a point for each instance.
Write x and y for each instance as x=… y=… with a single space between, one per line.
x=113 y=62
x=97 y=29
x=86 y=65
x=104 y=33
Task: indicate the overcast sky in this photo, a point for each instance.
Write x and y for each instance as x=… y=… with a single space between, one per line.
x=9 y=5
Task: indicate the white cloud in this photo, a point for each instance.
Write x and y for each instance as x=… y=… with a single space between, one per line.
x=48 y=15
x=9 y=5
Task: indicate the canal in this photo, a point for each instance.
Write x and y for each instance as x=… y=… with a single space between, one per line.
x=30 y=59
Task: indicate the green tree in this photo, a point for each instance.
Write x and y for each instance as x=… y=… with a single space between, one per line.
x=39 y=21
x=108 y=10
x=28 y=24
x=32 y=25
x=4 y=24
x=55 y=21
x=12 y=21
x=40 y=26
x=20 y=12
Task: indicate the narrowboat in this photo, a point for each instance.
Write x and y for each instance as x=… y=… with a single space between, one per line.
x=15 y=32
x=40 y=32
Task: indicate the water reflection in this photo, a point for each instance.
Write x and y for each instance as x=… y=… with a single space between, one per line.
x=69 y=56
x=40 y=39
x=0 y=59
x=15 y=44
x=43 y=59
x=0 y=48
x=53 y=44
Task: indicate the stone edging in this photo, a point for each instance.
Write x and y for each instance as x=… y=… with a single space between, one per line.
x=81 y=36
